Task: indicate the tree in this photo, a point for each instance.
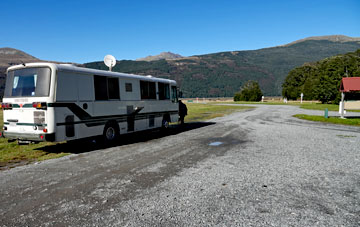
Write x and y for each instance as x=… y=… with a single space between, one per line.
x=321 y=80
x=249 y=92
x=299 y=80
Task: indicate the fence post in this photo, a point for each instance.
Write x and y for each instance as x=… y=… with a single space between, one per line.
x=326 y=113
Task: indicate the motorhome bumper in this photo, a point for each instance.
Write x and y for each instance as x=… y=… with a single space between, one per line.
x=29 y=136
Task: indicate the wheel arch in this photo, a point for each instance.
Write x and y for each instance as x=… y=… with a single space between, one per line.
x=167 y=117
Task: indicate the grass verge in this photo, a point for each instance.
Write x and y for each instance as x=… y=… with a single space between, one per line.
x=12 y=154
x=332 y=120
x=305 y=105
x=202 y=112
x=260 y=103
x=319 y=106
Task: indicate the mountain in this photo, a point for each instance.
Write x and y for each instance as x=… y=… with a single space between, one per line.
x=8 y=57
x=163 y=55
x=11 y=56
x=333 y=38
x=222 y=74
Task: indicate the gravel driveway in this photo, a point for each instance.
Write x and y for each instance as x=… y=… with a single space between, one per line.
x=255 y=168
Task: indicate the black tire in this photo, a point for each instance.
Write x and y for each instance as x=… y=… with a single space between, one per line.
x=111 y=132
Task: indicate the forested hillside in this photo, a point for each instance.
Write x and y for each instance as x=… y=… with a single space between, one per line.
x=222 y=74
x=321 y=80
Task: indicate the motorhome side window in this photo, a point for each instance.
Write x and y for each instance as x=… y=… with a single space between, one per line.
x=106 y=88
x=113 y=88
x=164 y=91
x=174 y=96
x=128 y=87
x=148 y=90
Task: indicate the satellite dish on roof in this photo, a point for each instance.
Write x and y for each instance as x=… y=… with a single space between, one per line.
x=109 y=61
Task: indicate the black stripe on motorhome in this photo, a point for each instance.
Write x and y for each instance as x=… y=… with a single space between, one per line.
x=90 y=121
x=80 y=113
x=26 y=124
x=101 y=120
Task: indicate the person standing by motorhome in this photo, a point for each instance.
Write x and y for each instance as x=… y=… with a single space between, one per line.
x=182 y=111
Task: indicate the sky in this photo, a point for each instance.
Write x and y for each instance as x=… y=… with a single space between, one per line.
x=85 y=31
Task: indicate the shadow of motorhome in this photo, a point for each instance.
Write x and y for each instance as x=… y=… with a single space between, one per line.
x=96 y=143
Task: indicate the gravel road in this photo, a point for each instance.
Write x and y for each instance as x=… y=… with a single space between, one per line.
x=255 y=168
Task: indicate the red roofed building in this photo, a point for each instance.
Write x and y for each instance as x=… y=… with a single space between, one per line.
x=349 y=84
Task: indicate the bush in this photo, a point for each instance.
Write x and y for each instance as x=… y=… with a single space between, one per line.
x=249 y=92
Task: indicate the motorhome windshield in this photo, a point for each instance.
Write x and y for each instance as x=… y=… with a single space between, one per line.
x=29 y=82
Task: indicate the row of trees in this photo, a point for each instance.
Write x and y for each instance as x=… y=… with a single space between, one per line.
x=321 y=80
x=317 y=81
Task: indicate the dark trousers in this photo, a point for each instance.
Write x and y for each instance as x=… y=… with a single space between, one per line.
x=181 y=118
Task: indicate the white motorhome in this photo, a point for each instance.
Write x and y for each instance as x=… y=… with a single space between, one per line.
x=57 y=102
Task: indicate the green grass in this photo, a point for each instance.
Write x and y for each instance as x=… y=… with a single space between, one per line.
x=305 y=105
x=202 y=112
x=276 y=102
x=319 y=106
x=332 y=120
x=12 y=153
x=345 y=136
x=262 y=103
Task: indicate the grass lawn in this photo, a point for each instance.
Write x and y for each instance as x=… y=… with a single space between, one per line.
x=263 y=103
x=332 y=120
x=202 y=112
x=12 y=154
x=305 y=105
x=319 y=106
x=276 y=102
